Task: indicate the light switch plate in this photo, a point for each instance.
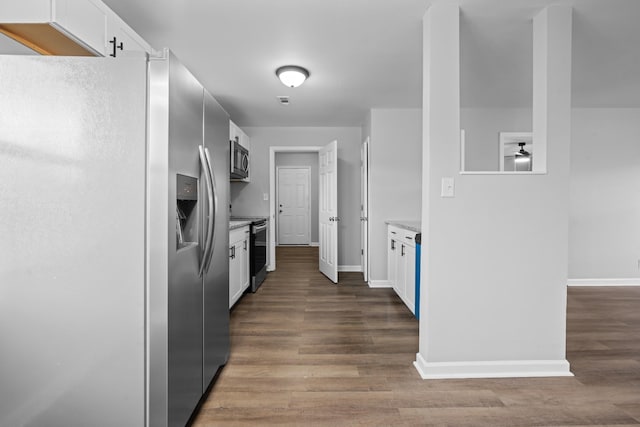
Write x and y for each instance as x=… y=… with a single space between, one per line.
x=448 y=188
x=265 y=196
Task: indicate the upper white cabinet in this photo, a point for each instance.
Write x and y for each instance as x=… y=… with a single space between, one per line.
x=122 y=38
x=69 y=27
x=236 y=133
x=84 y=21
x=401 y=263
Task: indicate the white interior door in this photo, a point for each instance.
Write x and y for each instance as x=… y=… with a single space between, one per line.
x=364 y=209
x=328 y=207
x=294 y=206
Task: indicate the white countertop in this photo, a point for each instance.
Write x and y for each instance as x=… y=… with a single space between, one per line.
x=233 y=224
x=249 y=218
x=415 y=226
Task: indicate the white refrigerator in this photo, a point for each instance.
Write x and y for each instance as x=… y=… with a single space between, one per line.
x=113 y=241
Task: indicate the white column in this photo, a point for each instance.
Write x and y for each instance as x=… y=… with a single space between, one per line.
x=494 y=258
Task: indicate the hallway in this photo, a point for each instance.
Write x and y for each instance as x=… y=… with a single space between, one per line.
x=307 y=352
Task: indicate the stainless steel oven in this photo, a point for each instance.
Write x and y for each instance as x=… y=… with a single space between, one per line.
x=258 y=254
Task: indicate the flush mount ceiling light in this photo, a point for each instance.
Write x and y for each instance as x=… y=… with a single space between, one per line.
x=523 y=155
x=292 y=75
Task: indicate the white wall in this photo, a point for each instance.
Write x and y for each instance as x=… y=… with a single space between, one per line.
x=494 y=261
x=247 y=198
x=482 y=128
x=604 y=228
x=310 y=160
x=605 y=183
x=395 y=170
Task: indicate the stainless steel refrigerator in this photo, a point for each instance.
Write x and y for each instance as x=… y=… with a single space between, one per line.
x=113 y=241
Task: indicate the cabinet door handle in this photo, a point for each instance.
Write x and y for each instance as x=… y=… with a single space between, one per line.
x=115 y=46
x=245 y=245
x=402 y=251
x=393 y=245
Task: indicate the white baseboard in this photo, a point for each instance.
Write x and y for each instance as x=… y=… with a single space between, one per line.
x=604 y=282
x=380 y=284
x=315 y=244
x=350 y=268
x=494 y=369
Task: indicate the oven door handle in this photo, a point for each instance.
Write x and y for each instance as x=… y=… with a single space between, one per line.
x=259 y=228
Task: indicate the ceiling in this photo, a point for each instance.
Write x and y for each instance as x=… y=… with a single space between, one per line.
x=365 y=54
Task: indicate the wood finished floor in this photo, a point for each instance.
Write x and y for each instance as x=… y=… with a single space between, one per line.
x=306 y=352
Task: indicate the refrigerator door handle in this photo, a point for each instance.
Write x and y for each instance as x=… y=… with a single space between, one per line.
x=208 y=238
x=214 y=210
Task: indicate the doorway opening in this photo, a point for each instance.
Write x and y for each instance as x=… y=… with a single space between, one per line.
x=280 y=156
x=327 y=204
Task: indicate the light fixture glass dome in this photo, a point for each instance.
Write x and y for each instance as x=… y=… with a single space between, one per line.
x=523 y=155
x=292 y=75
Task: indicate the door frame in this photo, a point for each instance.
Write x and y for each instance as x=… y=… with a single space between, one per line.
x=272 y=190
x=364 y=188
x=277 y=195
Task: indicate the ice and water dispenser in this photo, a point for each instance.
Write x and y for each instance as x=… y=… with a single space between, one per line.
x=186 y=211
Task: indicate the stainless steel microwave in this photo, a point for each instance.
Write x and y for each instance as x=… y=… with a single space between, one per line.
x=239 y=161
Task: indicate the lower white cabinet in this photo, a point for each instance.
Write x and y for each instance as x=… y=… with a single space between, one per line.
x=401 y=263
x=238 y=263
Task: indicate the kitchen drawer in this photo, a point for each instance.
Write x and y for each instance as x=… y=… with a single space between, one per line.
x=238 y=234
x=402 y=235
